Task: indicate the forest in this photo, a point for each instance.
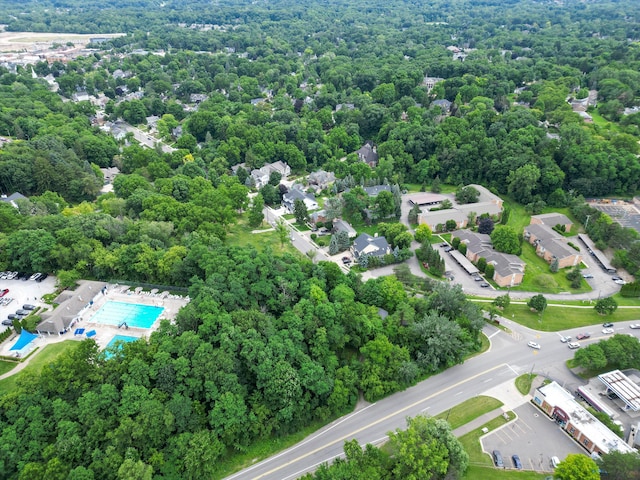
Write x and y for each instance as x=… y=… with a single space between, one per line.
x=272 y=342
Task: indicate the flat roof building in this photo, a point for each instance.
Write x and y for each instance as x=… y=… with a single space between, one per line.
x=585 y=429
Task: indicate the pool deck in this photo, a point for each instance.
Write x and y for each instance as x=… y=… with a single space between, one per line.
x=104 y=333
x=123 y=293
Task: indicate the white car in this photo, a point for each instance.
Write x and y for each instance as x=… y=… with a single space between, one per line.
x=608 y=331
x=619 y=282
x=573 y=345
x=634 y=325
x=534 y=345
x=565 y=339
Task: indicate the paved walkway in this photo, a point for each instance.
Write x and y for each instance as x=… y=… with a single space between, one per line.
x=508 y=394
x=41 y=342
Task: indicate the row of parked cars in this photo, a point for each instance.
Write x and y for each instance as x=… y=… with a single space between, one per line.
x=499 y=462
x=38 y=277
x=19 y=315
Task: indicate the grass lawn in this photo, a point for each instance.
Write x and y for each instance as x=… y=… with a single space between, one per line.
x=538 y=277
x=561 y=318
x=469 y=410
x=43 y=357
x=602 y=122
x=523 y=383
x=6 y=366
x=240 y=234
x=519 y=218
x=475 y=472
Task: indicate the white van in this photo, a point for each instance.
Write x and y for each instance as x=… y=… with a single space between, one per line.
x=555 y=461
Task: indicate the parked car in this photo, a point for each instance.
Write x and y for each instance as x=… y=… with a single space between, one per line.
x=516 y=462
x=615 y=277
x=497 y=459
x=587 y=275
x=13 y=316
x=634 y=325
x=4 y=292
x=22 y=312
x=607 y=324
x=477 y=278
x=28 y=306
x=448 y=248
x=607 y=331
x=7 y=322
x=582 y=336
x=565 y=339
x=534 y=345
x=619 y=282
x=484 y=285
x=573 y=345
x=42 y=277
x=35 y=276
x=555 y=461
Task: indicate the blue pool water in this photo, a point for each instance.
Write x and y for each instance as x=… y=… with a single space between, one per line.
x=133 y=314
x=118 y=338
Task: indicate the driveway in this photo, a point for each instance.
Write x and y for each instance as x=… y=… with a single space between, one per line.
x=534 y=437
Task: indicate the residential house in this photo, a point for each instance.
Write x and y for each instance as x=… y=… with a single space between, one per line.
x=431 y=82
x=445 y=105
x=343 y=226
x=487 y=203
x=552 y=220
x=508 y=268
x=375 y=190
x=261 y=175
x=365 y=244
x=80 y=96
x=197 y=98
x=320 y=180
x=551 y=246
x=368 y=154
x=152 y=122
x=318 y=216
x=11 y=199
x=296 y=193
x=575 y=420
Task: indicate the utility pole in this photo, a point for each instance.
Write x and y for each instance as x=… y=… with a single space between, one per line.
x=587 y=222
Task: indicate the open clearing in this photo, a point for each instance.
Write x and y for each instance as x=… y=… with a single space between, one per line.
x=12 y=41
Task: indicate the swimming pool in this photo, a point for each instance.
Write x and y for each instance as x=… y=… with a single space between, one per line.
x=118 y=338
x=131 y=314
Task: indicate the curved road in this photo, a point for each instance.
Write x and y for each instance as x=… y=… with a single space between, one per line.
x=507 y=358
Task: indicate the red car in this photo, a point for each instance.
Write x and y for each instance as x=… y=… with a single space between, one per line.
x=582 y=336
x=4 y=292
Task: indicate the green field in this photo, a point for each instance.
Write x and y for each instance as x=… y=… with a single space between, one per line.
x=538 y=277
x=561 y=318
x=43 y=357
x=6 y=366
x=469 y=410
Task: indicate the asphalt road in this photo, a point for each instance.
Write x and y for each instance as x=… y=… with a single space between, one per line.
x=145 y=139
x=507 y=358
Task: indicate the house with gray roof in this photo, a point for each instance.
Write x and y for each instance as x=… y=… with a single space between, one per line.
x=340 y=225
x=321 y=179
x=375 y=190
x=445 y=105
x=11 y=199
x=368 y=154
x=261 y=175
x=551 y=246
x=296 y=193
x=508 y=268
x=365 y=244
x=552 y=219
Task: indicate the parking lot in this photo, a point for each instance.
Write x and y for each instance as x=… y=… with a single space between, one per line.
x=625 y=214
x=534 y=437
x=22 y=292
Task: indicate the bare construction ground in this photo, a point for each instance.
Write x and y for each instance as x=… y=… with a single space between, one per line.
x=33 y=41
